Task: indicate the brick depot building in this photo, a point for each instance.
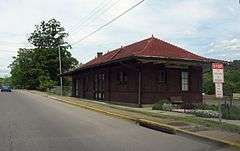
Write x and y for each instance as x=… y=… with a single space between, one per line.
x=141 y=73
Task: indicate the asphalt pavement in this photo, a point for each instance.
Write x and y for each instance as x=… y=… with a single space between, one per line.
x=29 y=122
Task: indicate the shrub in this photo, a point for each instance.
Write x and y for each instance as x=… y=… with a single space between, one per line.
x=205 y=113
x=167 y=107
x=186 y=105
x=232 y=113
x=159 y=104
x=207 y=107
x=45 y=83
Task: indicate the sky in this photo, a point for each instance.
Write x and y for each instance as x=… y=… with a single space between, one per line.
x=210 y=28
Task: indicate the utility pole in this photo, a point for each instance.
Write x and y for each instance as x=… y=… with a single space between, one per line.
x=60 y=70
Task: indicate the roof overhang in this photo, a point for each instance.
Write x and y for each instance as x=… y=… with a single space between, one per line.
x=71 y=72
x=181 y=62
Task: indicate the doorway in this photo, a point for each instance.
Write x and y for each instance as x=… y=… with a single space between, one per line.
x=99 y=86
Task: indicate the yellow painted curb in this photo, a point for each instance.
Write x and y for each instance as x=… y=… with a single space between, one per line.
x=163 y=127
x=95 y=109
x=157 y=126
x=178 y=130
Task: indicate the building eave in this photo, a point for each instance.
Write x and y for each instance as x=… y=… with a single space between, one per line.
x=149 y=58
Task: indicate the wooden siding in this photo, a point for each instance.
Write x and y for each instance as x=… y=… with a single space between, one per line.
x=151 y=90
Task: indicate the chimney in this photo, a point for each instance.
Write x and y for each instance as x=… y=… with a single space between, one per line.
x=99 y=54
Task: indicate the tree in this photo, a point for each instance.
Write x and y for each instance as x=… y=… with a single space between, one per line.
x=231 y=79
x=5 y=81
x=23 y=70
x=38 y=68
x=1 y=81
x=49 y=35
x=45 y=83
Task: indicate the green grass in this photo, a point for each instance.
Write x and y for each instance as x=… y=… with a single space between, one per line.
x=212 y=124
x=236 y=96
x=198 y=121
x=192 y=120
x=232 y=114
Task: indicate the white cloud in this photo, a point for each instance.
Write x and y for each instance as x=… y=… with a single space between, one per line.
x=4 y=72
x=225 y=49
x=189 y=23
x=232 y=45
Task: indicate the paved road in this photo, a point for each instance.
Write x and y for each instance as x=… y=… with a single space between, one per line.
x=30 y=122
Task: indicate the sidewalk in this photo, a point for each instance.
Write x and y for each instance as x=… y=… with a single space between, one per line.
x=190 y=124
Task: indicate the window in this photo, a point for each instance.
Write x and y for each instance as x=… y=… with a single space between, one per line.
x=122 y=78
x=162 y=77
x=185 y=81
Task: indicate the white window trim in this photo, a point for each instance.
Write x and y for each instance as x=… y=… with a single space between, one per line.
x=185 y=81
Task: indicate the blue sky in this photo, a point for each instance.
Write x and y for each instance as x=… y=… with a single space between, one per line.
x=210 y=28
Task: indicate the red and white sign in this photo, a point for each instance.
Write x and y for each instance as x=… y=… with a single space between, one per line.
x=217 y=65
x=218 y=74
x=219 y=90
x=218 y=79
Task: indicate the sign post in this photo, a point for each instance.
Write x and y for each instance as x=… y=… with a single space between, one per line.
x=218 y=79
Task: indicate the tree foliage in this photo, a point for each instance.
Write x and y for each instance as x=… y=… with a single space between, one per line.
x=49 y=35
x=38 y=68
x=231 y=79
x=6 y=81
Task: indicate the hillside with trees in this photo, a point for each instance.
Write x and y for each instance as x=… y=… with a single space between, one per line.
x=38 y=68
x=1 y=81
x=231 y=77
x=6 y=81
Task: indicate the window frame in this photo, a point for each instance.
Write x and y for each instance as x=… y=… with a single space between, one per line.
x=162 y=76
x=185 y=83
x=122 y=78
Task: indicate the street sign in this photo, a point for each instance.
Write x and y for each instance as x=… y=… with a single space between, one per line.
x=219 y=90
x=218 y=74
x=218 y=79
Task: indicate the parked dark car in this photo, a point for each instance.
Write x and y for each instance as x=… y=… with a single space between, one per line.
x=6 y=89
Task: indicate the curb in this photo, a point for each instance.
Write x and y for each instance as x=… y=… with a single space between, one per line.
x=94 y=109
x=157 y=126
x=150 y=124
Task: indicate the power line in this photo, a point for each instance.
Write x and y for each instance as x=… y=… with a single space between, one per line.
x=88 y=22
x=91 y=14
x=111 y=21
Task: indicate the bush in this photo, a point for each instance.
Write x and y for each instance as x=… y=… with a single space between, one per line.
x=228 y=112
x=167 y=107
x=207 y=107
x=205 y=113
x=159 y=104
x=186 y=105
x=45 y=83
x=232 y=113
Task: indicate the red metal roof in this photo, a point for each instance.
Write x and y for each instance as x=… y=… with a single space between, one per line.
x=151 y=47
